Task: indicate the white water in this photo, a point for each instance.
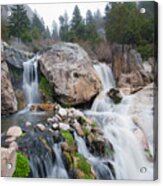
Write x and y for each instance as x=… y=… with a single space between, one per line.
x=118 y=128
x=30 y=81
x=59 y=170
x=100 y=165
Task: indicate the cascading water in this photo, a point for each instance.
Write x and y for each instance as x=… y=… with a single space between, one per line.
x=118 y=128
x=59 y=170
x=30 y=81
x=100 y=165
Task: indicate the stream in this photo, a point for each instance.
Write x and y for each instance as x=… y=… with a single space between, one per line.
x=114 y=120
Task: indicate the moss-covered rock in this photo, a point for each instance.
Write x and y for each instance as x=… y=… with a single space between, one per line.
x=84 y=167
x=46 y=89
x=115 y=95
x=68 y=137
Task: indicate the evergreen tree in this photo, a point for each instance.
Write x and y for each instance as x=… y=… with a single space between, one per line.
x=90 y=28
x=19 y=24
x=64 y=27
x=99 y=21
x=77 y=25
x=38 y=27
x=122 y=23
x=89 y=17
x=47 y=33
x=54 y=30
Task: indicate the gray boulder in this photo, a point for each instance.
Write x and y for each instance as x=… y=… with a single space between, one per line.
x=69 y=70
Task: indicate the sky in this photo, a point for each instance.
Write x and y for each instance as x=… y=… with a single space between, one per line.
x=51 y=12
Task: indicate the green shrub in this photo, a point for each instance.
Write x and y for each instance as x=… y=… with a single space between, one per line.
x=94 y=124
x=86 y=131
x=22 y=166
x=83 y=165
x=68 y=137
x=146 y=51
x=46 y=89
x=82 y=121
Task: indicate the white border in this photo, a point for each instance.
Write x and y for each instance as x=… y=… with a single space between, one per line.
x=54 y=182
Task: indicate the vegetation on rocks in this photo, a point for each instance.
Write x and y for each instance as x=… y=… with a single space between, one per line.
x=46 y=89
x=68 y=137
x=22 y=166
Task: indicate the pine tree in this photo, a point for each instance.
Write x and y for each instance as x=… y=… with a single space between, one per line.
x=90 y=28
x=47 y=33
x=54 y=30
x=38 y=25
x=89 y=17
x=64 y=27
x=77 y=24
x=19 y=24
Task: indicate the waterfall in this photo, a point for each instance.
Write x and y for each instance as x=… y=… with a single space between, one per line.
x=59 y=170
x=100 y=165
x=30 y=81
x=118 y=128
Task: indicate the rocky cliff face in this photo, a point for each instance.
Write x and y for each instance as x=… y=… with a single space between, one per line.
x=69 y=69
x=128 y=68
x=8 y=98
x=15 y=56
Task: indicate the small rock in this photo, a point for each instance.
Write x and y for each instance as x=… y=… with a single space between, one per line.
x=78 y=128
x=58 y=117
x=28 y=124
x=65 y=146
x=50 y=121
x=115 y=95
x=62 y=112
x=14 y=131
x=97 y=130
x=10 y=139
x=55 y=126
x=50 y=130
x=41 y=127
x=64 y=126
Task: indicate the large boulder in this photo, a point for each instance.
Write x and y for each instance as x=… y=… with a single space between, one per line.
x=69 y=70
x=8 y=161
x=8 y=98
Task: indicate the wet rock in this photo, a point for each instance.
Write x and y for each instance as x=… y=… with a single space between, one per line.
x=65 y=146
x=141 y=138
x=64 y=126
x=43 y=107
x=58 y=117
x=41 y=127
x=62 y=112
x=8 y=161
x=55 y=126
x=115 y=95
x=14 y=131
x=78 y=128
x=28 y=124
x=72 y=112
x=50 y=121
x=69 y=69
